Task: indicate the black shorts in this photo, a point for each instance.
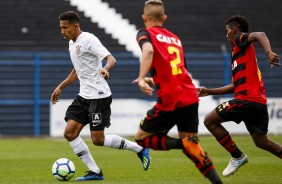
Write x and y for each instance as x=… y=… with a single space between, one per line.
x=96 y=112
x=160 y=122
x=254 y=115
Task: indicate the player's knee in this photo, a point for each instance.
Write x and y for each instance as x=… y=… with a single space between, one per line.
x=207 y=122
x=210 y=124
x=261 y=141
x=70 y=136
x=262 y=144
x=98 y=141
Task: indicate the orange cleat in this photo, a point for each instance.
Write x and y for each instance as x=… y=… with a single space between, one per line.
x=192 y=146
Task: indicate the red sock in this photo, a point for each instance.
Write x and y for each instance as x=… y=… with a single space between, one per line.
x=156 y=142
x=227 y=142
x=202 y=168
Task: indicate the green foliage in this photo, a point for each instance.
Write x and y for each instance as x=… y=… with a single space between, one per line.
x=29 y=161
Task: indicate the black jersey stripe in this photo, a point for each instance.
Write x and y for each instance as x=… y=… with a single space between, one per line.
x=153 y=72
x=240 y=81
x=243 y=92
x=159 y=100
x=239 y=68
x=157 y=86
x=238 y=54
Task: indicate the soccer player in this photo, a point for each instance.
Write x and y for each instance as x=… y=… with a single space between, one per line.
x=177 y=104
x=92 y=104
x=249 y=104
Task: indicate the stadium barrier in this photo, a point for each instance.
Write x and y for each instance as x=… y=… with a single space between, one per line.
x=125 y=120
x=28 y=78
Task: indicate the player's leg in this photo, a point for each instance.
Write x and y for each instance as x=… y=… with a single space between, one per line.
x=257 y=125
x=262 y=142
x=80 y=148
x=152 y=132
x=227 y=111
x=213 y=123
x=187 y=123
x=77 y=118
x=207 y=169
x=99 y=119
x=118 y=142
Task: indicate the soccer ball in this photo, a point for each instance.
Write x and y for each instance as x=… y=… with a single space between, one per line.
x=63 y=169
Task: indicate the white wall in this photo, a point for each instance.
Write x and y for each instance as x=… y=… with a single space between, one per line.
x=127 y=113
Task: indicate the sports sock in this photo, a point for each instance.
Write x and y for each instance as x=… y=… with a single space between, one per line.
x=227 y=142
x=213 y=177
x=202 y=168
x=82 y=151
x=115 y=141
x=161 y=142
x=207 y=171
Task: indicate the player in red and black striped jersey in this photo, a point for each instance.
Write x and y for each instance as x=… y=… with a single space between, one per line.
x=249 y=103
x=177 y=99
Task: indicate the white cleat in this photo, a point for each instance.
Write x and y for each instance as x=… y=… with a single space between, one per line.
x=235 y=164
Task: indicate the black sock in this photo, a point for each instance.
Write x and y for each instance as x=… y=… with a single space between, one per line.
x=173 y=143
x=213 y=177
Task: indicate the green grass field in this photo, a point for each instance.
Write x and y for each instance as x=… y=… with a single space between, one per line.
x=29 y=160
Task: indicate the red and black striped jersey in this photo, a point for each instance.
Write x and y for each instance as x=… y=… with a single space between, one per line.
x=247 y=77
x=173 y=83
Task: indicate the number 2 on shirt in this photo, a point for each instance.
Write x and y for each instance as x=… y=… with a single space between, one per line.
x=176 y=61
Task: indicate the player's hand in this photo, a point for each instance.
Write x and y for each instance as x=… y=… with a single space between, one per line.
x=202 y=91
x=105 y=73
x=148 y=80
x=273 y=59
x=55 y=95
x=144 y=86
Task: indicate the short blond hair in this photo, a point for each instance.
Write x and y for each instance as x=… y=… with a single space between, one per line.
x=154 y=2
x=154 y=10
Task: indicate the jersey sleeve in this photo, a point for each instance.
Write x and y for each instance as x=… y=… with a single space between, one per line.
x=142 y=37
x=241 y=40
x=97 y=48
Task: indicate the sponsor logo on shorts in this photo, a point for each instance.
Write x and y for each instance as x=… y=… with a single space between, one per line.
x=141 y=122
x=223 y=106
x=96 y=119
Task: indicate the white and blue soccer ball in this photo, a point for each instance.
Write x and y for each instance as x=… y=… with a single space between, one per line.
x=63 y=169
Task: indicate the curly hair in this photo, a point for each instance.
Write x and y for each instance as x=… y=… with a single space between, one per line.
x=240 y=22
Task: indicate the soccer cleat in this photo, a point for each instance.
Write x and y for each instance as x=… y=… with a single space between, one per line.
x=145 y=158
x=91 y=176
x=235 y=164
x=192 y=146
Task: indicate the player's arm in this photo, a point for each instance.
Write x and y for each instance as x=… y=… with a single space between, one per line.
x=261 y=37
x=144 y=82
x=72 y=77
x=216 y=91
x=145 y=64
x=110 y=63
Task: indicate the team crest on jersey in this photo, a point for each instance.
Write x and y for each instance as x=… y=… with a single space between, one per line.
x=78 y=51
x=96 y=119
